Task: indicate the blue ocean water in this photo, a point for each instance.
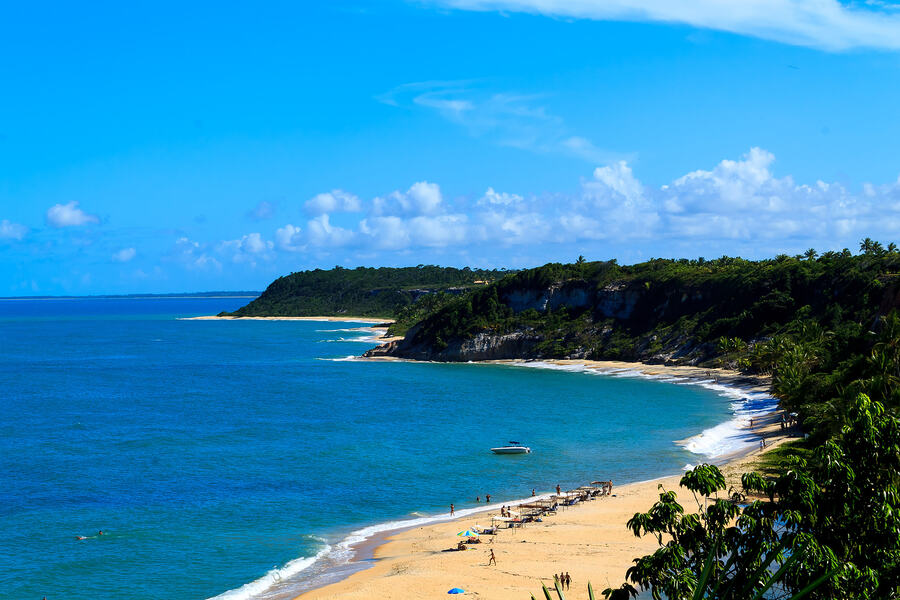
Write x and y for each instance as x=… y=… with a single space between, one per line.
x=210 y=452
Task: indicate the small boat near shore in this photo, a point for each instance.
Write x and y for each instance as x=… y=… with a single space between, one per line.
x=512 y=448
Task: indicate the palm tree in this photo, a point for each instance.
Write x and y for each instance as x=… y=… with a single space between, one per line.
x=892 y=247
x=811 y=254
x=867 y=245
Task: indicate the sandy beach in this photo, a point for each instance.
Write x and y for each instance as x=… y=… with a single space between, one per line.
x=336 y=319
x=590 y=541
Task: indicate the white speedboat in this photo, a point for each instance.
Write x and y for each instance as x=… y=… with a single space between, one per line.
x=513 y=448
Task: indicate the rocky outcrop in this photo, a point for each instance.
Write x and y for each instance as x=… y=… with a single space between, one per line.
x=605 y=312
x=616 y=301
x=483 y=346
x=572 y=295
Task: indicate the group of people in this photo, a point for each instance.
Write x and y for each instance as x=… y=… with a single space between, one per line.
x=487 y=498
x=563 y=580
x=788 y=420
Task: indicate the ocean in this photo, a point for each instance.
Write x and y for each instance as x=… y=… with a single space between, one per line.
x=243 y=459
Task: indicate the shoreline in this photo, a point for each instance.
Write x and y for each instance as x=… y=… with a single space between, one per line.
x=386 y=321
x=590 y=541
x=390 y=562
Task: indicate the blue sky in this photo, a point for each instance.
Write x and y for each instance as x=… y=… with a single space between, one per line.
x=158 y=147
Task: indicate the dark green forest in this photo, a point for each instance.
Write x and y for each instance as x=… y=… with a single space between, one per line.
x=360 y=292
x=822 y=326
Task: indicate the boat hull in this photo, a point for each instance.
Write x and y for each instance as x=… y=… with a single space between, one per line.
x=512 y=450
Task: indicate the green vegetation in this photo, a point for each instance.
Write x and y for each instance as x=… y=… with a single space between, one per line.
x=822 y=326
x=826 y=519
x=826 y=527
x=360 y=292
x=776 y=461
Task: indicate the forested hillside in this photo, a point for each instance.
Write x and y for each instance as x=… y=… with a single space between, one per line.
x=811 y=321
x=362 y=291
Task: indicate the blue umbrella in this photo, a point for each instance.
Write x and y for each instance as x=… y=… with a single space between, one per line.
x=457 y=591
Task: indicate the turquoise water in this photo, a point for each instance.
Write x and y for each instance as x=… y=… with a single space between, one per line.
x=210 y=452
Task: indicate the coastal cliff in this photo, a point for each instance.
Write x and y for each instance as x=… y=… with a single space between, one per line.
x=662 y=311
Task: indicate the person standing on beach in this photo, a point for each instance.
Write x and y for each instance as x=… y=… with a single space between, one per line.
x=568 y=580
x=493 y=559
x=532 y=492
x=451 y=510
x=557 y=489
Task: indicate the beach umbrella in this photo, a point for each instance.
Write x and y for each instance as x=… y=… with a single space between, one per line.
x=468 y=533
x=457 y=591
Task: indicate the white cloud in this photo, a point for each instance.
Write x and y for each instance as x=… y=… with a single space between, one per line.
x=247 y=249
x=193 y=255
x=320 y=232
x=505 y=119
x=616 y=180
x=12 y=231
x=734 y=204
x=386 y=233
x=69 y=215
x=124 y=255
x=333 y=201
x=499 y=198
x=440 y=231
x=288 y=238
x=825 y=24
x=422 y=198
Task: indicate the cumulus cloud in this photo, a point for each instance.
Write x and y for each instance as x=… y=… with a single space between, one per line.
x=247 y=249
x=68 y=215
x=124 y=255
x=12 y=231
x=825 y=24
x=422 y=198
x=735 y=203
x=320 y=232
x=499 y=198
x=333 y=201
x=289 y=238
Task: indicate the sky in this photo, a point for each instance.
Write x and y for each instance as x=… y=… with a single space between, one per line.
x=183 y=147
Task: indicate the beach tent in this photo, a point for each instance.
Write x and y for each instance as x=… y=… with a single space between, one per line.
x=457 y=591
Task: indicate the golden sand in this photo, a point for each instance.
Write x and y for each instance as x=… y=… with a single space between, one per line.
x=590 y=541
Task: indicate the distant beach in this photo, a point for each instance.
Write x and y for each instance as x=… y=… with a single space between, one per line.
x=335 y=319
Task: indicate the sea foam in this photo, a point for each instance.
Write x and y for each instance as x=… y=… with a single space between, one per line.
x=718 y=441
x=256 y=588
